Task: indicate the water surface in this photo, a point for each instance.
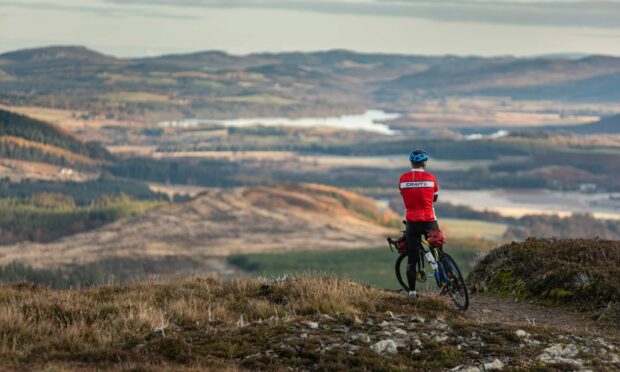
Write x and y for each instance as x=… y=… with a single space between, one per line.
x=371 y=121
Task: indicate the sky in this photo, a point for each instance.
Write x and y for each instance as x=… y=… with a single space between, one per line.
x=130 y=28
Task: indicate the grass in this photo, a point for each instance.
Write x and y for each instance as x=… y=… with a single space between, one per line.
x=583 y=273
x=258 y=99
x=249 y=324
x=193 y=323
x=372 y=266
x=135 y=97
x=462 y=228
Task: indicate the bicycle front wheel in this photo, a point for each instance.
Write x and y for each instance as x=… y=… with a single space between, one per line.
x=455 y=284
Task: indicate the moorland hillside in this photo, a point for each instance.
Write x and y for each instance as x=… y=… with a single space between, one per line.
x=199 y=234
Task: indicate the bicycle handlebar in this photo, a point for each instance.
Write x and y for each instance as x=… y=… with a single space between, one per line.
x=392 y=244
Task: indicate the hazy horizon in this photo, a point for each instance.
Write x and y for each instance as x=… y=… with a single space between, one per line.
x=134 y=28
x=567 y=55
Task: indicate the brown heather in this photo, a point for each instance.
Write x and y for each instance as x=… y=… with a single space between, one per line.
x=147 y=323
x=298 y=323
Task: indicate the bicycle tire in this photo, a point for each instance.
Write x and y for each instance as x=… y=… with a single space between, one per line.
x=399 y=275
x=452 y=268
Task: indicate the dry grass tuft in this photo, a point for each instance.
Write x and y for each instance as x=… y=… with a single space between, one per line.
x=118 y=323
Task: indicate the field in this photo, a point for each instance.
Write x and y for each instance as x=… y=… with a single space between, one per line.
x=461 y=228
x=371 y=266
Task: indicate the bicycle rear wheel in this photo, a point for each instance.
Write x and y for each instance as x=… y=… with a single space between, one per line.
x=455 y=286
x=401 y=272
x=422 y=286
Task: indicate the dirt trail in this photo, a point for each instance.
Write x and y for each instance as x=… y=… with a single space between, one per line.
x=487 y=309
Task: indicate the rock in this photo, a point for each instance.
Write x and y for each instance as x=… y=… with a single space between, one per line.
x=417 y=342
x=417 y=319
x=304 y=335
x=462 y=368
x=399 y=331
x=560 y=353
x=384 y=324
x=313 y=325
x=363 y=337
x=439 y=324
x=439 y=338
x=495 y=365
x=521 y=333
x=352 y=349
x=605 y=343
x=486 y=311
x=385 y=347
x=416 y=351
x=569 y=350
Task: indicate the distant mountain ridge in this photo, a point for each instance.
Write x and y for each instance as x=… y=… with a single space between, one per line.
x=55 y=53
x=334 y=81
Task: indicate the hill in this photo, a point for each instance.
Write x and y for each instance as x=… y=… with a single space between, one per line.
x=66 y=53
x=580 y=273
x=300 y=323
x=26 y=139
x=607 y=125
x=199 y=234
x=521 y=79
x=207 y=84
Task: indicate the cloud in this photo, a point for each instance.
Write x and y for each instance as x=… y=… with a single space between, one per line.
x=106 y=11
x=560 y=13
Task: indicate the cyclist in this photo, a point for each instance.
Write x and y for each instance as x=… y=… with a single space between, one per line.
x=419 y=191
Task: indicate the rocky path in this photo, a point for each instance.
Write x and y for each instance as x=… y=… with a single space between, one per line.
x=488 y=309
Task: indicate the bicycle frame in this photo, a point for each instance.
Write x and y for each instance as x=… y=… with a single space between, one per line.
x=440 y=272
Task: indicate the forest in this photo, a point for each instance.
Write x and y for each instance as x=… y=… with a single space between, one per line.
x=46 y=216
x=15 y=125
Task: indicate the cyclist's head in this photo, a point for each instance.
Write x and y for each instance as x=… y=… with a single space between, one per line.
x=418 y=158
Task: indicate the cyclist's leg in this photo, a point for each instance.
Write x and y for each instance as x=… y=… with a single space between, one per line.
x=414 y=243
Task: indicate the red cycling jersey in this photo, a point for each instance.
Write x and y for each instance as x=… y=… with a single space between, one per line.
x=419 y=188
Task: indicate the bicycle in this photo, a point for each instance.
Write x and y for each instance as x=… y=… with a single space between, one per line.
x=448 y=278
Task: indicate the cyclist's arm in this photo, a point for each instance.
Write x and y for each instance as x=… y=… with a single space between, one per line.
x=436 y=196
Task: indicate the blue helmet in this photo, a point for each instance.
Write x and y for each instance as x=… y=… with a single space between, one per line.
x=418 y=156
